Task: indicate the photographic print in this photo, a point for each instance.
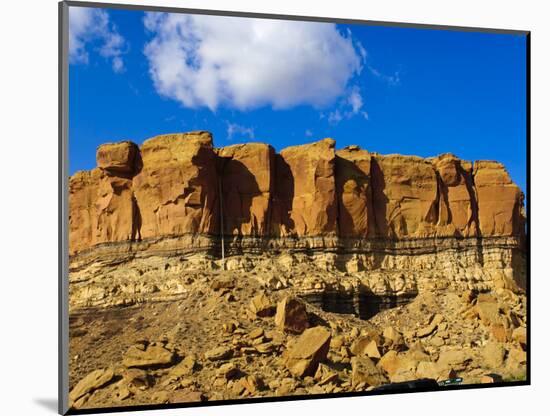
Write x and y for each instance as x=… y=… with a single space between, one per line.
x=268 y=207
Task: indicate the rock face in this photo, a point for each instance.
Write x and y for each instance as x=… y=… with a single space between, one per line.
x=404 y=197
x=457 y=215
x=171 y=187
x=247 y=177
x=176 y=189
x=118 y=157
x=354 y=190
x=499 y=200
x=305 y=202
x=348 y=210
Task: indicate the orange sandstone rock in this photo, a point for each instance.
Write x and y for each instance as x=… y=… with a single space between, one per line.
x=306 y=194
x=178 y=185
x=499 y=200
x=457 y=214
x=354 y=190
x=404 y=196
x=176 y=189
x=246 y=173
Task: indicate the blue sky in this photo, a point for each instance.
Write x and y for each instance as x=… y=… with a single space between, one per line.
x=389 y=90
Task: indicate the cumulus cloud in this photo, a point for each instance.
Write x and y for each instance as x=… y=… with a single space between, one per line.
x=89 y=26
x=240 y=132
x=212 y=61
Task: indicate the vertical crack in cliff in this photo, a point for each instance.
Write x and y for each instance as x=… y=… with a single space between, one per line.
x=136 y=220
x=378 y=199
x=471 y=186
x=442 y=197
x=338 y=193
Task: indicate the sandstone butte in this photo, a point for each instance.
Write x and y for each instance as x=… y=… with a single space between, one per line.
x=180 y=189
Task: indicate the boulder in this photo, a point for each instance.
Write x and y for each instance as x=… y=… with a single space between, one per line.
x=291 y=315
x=185 y=367
x=365 y=345
x=182 y=396
x=364 y=371
x=325 y=374
x=136 y=379
x=393 y=338
x=218 y=353
x=93 y=381
x=228 y=371
x=151 y=356
x=261 y=306
x=455 y=359
x=520 y=335
x=428 y=330
x=493 y=355
x=516 y=358
x=310 y=349
x=401 y=366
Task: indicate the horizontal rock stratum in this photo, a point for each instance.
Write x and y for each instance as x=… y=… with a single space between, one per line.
x=171 y=187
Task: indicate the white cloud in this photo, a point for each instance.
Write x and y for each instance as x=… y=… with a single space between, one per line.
x=349 y=107
x=212 y=61
x=335 y=117
x=308 y=133
x=355 y=101
x=240 y=132
x=392 y=80
x=92 y=26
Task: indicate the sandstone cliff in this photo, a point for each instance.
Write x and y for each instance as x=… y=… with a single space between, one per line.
x=180 y=185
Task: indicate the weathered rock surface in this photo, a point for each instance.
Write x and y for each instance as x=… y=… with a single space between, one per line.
x=178 y=185
x=354 y=191
x=148 y=356
x=247 y=184
x=91 y=382
x=176 y=189
x=305 y=190
x=365 y=372
x=291 y=315
x=119 y=157
x=457 y=214
x=310 y=349
x=499 y=200
x=404 y=196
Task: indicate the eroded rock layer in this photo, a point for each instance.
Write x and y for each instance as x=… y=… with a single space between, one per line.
x=172 y=187
x=348 y=210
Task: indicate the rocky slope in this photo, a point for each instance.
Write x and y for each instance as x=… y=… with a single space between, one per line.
x=381 y=268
